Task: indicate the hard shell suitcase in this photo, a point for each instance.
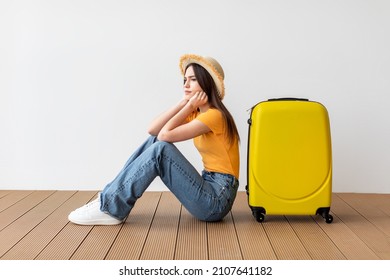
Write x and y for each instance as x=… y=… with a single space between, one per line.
x=289 y=159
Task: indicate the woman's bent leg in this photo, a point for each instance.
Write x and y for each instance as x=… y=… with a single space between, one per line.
x=202 y=198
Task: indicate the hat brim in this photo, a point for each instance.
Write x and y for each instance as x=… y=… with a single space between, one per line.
x=210 y=65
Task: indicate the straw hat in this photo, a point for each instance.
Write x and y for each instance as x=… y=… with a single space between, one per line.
x=210 y=64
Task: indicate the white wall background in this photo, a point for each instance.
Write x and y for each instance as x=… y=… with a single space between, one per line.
x=80 y=80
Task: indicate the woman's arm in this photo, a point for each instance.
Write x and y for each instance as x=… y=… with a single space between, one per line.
x=175 y=130
x=161 y=120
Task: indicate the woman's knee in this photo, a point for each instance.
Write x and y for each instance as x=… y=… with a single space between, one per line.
x=163 y=146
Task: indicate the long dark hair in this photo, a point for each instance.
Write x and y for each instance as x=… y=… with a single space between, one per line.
x=208 y=85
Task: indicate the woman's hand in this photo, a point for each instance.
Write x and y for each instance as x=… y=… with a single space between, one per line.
x=198 y=99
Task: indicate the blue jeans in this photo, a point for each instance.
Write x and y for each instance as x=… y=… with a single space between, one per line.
x=208 y=196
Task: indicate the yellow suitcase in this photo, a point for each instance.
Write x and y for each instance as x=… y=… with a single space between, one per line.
x=289 y=159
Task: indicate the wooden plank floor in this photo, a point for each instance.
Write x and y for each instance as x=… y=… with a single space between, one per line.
x=34 y=225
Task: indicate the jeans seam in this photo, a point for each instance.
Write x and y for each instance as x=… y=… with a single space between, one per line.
x=178 y=168
x=125 y=184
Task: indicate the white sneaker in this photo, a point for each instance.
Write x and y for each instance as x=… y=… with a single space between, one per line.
x=90 y=214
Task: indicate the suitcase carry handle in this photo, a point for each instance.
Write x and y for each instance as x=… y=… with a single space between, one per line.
x=288 y=99
x=280 y=99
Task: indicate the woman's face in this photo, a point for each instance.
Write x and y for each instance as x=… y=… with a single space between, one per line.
x=191 y=84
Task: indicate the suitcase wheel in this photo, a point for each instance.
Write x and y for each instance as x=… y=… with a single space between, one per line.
x=329 y=219
x=324 y=212
x=258 y=213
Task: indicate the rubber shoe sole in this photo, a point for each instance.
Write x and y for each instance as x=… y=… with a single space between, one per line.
x=103 y=221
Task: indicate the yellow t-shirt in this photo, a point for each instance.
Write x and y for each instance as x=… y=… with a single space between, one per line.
x=218 y=154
